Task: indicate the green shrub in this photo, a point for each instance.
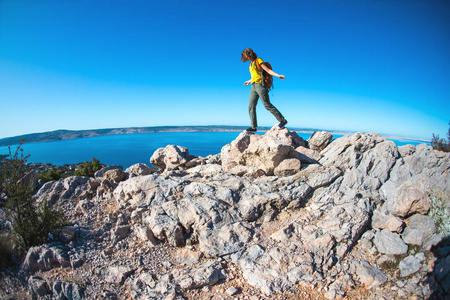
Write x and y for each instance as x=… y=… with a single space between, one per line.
x=440 y=210
x=441 y=144
x=32 y=222
x=88 y=168
x=38 y=223
x=53 y=174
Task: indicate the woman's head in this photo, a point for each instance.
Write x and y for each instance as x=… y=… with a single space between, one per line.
x=248 y=54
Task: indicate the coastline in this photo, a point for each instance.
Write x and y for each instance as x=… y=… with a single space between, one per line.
x=62 y=134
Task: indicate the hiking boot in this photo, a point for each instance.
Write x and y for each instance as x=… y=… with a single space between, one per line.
x=250 y=129
x=282 y=124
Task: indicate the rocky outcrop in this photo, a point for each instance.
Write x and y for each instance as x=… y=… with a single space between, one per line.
x=268 y=215
x=250 y=153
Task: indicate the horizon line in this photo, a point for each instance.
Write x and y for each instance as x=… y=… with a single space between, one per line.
x=233 y=128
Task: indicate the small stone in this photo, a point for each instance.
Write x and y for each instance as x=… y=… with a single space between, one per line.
x=331 y=294
x=231 y=291
x=206 y=288
x=120 y=232
x=385 y=259
x=400 y=283
x=389 y=243
x=76 y=263
x=420 y=229
x=117 y=274
x=108 y=252
x=38 y=286
x=68 y=233
x=401 y=293
x=369 y=275
x=409 y=265
x=188 y=257
x=420 y=256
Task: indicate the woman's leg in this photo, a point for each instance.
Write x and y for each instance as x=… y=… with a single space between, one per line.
x=264 y=95
x=253 y=100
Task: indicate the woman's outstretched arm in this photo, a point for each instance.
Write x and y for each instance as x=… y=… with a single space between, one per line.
x=272 y=72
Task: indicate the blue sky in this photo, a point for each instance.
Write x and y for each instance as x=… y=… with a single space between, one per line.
x=373 y=66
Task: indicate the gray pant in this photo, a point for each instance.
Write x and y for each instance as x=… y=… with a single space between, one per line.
x=260 y=91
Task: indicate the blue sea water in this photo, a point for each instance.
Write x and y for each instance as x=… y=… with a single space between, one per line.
x=129 y=149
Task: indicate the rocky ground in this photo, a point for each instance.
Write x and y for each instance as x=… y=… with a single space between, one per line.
x=270 y=217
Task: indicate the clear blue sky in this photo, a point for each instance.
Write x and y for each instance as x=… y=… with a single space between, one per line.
x=374 y=66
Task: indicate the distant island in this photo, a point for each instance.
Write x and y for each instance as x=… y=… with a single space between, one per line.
x=59 y=135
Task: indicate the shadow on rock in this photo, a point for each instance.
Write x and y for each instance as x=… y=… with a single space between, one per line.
x=439 y=279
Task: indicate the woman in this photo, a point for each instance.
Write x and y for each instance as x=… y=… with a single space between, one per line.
x=259 y=90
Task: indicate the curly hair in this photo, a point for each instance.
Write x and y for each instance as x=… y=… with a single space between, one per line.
x=248 y=54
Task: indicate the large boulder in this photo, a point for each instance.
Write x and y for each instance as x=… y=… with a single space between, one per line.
x=164 y=227
x=389 y=243
x=100 y=173
x=307 y=156
x=249 y=153
x=170 y=157
x=288 y=167
x=64 y=189
x=145 y=190
x=426 y=168
x=319 y=140
x=266 y=154
x=408 y=200
x=286 y=137
x=44 y=258
x=317 y=176
x=44 y=289
x=346 y=152
x=115 y=175
x=420 y=229
x=140 y=170
x=38 y=286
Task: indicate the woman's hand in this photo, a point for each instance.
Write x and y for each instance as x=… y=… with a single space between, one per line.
x=247 y=82
x=272 y=72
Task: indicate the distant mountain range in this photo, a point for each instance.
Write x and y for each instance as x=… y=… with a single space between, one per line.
x=59 y=135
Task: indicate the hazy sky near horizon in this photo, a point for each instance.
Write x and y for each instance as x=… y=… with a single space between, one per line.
x=370 y=66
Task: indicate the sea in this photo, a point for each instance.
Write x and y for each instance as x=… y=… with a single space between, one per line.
x=130 y=149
